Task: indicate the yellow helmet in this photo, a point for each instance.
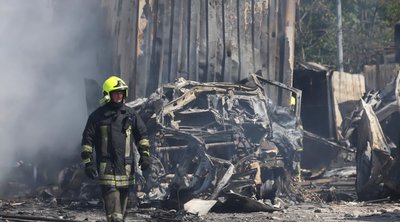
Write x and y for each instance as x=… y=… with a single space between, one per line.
x=113 y=83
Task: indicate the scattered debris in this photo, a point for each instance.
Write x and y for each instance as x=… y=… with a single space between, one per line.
x=234 y=202
x=373 y=128
x=216 y=139
x=223 y=144
x=32 y=218
x=199 y=206
x=349 y=171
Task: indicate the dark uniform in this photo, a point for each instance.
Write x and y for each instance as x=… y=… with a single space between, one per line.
x=111 y=131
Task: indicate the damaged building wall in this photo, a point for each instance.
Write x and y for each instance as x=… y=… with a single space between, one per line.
x=378 y=76
x=204 y=40
x=347 y=90
x=374 y=130
x=327 y=98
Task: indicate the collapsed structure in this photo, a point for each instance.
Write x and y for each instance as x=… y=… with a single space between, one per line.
x=374 y=130
x=223 y=143
x=213 y=139
x=231 y=146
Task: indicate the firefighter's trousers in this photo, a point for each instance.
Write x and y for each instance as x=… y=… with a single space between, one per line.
x=115 y=202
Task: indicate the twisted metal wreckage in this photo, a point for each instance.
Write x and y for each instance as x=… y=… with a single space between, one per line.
x=228 y=143
x=373 y=128
x=221 y=140
x=216 y=145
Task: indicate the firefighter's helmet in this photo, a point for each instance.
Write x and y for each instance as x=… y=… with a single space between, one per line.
x=113 y=83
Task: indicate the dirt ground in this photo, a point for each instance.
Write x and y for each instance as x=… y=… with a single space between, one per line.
x=344 y=211
x=330 y=199
x=338 y=211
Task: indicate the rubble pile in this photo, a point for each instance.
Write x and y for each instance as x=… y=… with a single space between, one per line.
x=220 y=147
x=220 y=141
x=19 y=210
x=333 y=185
x=373 y=128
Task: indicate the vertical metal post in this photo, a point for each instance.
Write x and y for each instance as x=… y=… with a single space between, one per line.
x=339 y=36
x=330 y=103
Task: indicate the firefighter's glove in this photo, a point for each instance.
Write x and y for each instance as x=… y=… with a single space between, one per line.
x=91 y=171
x=144 y=150
x=144 y=162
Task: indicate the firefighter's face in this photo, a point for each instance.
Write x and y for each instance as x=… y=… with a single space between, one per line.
x=117 y=96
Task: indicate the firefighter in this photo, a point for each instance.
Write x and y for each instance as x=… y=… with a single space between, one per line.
x=296 y=159
x=112 y=132
x=292 y=104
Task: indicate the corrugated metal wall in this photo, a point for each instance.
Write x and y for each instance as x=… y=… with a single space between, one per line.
x=156 y=41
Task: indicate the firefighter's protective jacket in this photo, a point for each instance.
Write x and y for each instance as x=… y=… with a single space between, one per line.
x=111 y=132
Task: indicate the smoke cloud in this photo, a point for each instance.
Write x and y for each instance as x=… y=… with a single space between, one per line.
x=47 y=48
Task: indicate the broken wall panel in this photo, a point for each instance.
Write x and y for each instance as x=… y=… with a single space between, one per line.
x=314 y=107
x=374 y=130
x=156 y=41
x=378 y=76
x=347 y=90
x=327 y=98
x=316 y=117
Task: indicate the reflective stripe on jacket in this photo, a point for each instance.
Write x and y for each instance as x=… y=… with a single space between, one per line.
x=111 y=133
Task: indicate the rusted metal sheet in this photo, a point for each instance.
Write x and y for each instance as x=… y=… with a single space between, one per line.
x=156 y=41
x=377 y=76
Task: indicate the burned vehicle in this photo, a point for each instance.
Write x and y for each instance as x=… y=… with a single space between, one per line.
x=221 y=139
x=373 y=128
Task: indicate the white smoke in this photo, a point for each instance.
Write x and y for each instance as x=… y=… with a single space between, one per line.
x=47 y=48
